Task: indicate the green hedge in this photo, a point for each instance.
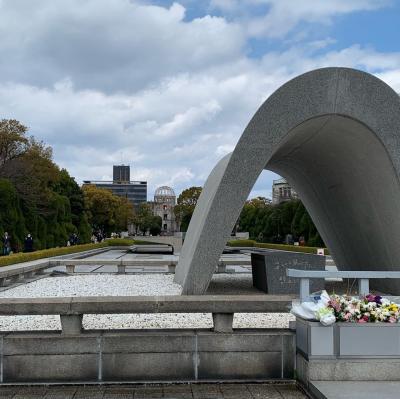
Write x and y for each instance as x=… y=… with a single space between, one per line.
x=48 y=253
x=241 y=243
x=281 y=247
x=130 y=241
x=120 y=242
x=143 y=242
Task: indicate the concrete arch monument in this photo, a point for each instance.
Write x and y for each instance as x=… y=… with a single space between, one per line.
x=334 y=133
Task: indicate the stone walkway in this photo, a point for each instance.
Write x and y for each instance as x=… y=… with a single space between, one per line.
x=186 y=391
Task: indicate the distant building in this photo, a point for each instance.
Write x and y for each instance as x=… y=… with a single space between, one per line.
x=121 y=173
x=134 y=191
x=282 y=191
x=163 y=206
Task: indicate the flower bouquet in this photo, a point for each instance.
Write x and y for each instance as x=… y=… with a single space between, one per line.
x=369 y=309
x=329 y=309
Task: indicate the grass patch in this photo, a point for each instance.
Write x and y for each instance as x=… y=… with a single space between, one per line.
x=280 y=247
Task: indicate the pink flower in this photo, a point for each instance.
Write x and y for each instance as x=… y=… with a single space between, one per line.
x=362 y=321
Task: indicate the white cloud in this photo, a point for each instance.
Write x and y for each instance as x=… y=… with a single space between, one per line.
x=279 y=17
x=105 y=81
x=111 y=45
x=224 y=149
x=285 y=15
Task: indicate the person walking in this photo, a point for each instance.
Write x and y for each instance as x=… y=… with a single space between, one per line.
x=6 y=240
x=28 y=243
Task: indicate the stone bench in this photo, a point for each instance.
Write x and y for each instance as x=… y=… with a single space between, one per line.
x=20 y=271
x=121 y=264
x=72 y=309
x=363 y=278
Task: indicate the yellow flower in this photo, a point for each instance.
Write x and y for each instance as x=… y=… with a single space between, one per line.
x=393 y=307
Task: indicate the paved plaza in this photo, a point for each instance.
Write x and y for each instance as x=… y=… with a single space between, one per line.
x=183 y=391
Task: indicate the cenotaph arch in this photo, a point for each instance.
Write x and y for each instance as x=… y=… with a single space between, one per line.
x=334 y=133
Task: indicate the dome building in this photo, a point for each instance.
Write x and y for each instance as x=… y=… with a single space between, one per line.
x=163 y=206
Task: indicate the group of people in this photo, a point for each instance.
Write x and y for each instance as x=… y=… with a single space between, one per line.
x=7 y=248
x=73 y=239
x=97 y=236
x=6 y=244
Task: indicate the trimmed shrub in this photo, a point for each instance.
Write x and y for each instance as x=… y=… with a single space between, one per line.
x=130 y=241
x=143 y=242
x=47 y=253
x=241 y=243
x=120 y=242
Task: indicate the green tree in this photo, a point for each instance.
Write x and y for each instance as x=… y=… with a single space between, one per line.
x=68 y=187
x=186 y=203
x=124 y=213
x=13 y=140
x=106 y=211
x=11 y=216
x=49 y=201
x=155 y=227
x=272 y=223
x=144 y=218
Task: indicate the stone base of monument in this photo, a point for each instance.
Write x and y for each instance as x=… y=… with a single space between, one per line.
x=147 y=356
x=347 y=352
x=269 y=271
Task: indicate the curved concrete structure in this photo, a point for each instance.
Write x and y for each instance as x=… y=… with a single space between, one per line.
x=334 y=133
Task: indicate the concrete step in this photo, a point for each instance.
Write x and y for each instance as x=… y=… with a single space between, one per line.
x=355 y=389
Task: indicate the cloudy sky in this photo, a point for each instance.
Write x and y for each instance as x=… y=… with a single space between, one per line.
x=168 y=87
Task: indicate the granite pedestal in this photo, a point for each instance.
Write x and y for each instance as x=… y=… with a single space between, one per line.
x=269 y=271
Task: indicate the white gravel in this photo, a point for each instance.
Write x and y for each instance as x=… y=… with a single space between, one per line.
x=123 y=285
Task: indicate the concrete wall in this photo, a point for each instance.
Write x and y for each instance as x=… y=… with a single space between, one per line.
x=150 y=355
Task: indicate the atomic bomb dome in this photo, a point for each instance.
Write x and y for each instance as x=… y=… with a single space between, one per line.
x=163 y=206
x=164 y=191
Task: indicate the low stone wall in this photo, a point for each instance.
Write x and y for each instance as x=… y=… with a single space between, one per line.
x=149 y=355
x=175 y=241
